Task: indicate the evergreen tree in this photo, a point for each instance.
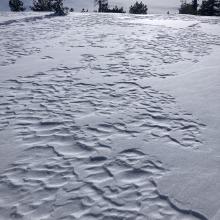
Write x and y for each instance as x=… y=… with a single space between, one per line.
x=195 y=5
x=210 y=8
x=16 y=5
x=58 y=8
x=207 y=8
x=102 y=5
x=189 y=8
x=50 y=5
x=117 y=10
x=42 y=5
x=138 y=8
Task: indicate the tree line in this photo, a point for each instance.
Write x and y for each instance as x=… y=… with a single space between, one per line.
x=40 y=5
x=59 y=9
x=137 y=8
x=206 y=8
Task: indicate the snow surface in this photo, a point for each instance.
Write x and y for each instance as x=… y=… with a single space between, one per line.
x=109 y=117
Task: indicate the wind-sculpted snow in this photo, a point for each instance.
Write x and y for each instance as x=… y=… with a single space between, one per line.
x=83 y=124
x=74 y=166
x=130 y=40
x=49 y=103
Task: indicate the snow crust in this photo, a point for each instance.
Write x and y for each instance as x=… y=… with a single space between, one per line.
x=109 y=117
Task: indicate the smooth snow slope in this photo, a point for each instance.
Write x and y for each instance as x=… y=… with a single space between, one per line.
x=109 y=117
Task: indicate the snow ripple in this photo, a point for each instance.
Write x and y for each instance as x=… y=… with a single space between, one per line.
x=72 y=168
x=82 y=125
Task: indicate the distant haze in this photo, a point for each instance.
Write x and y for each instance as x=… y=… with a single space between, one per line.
x=155 y=6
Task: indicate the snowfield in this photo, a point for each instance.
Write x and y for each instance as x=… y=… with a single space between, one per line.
x=109 y=117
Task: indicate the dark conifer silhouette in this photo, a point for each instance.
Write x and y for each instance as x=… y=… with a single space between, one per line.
x=16 y=5
x=207 y=8
x=58 y=8
x=42 y=5
x=116 y=9
x=138 y=8
x=102 y=5
x=210 y=8
x=50 y=5
x=195 y=6
x=188 y=8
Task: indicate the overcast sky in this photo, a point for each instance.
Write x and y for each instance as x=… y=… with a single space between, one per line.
x=155 y=6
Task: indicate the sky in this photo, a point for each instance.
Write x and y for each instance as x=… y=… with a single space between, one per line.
x=155 y=6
